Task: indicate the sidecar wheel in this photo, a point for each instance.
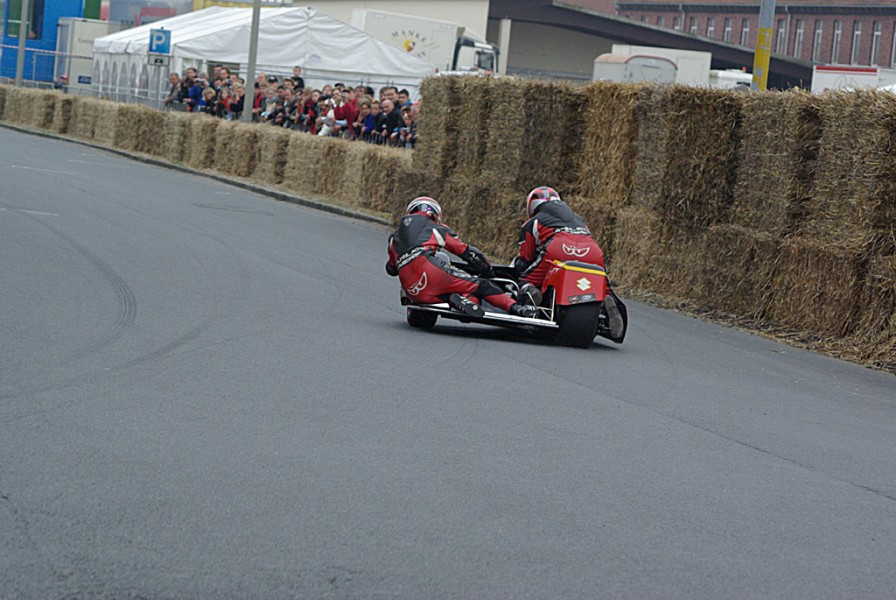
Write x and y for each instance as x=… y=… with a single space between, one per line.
x=422 y=319
x=578 y=325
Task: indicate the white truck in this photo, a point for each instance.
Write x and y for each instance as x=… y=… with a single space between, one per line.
x=448 y=46
x=627 y=63
x=850 y=77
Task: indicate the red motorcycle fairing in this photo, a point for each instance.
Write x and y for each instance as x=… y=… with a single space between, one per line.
x=576 y=282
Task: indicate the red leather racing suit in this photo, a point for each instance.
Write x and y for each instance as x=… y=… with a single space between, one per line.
x=554 y=232
x=425 y=278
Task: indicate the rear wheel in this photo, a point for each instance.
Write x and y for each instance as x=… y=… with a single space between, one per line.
x=578 y=324
x=422 y=319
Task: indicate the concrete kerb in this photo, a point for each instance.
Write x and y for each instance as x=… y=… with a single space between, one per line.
x=252 y=187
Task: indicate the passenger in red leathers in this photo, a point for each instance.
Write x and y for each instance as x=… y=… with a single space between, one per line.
x=428 y=277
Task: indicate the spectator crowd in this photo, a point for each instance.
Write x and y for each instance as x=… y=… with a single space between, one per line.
x=355 y=113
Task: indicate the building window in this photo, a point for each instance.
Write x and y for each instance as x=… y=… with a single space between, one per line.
x=710 y=27
x=676 y=23
x=856 y=41
x=694 y=24
x=726 y=36
x=835 y=45
x=875 y=44
x=661 y=21
x=36 y=20
x=745 y=32
x=798 y=39
x=643 y=18
x=781 y=41
x=816 y=40
x=893 y=53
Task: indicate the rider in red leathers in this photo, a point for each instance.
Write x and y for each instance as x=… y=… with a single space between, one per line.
x=428 y=278
x=553 y=232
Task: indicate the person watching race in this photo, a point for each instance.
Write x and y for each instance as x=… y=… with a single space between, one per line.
x=553 y=232
x=426 y=275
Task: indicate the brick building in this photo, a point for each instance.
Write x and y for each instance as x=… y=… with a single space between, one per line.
x=857 y=32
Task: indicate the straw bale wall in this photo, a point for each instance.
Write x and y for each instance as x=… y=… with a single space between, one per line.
x=778 y=208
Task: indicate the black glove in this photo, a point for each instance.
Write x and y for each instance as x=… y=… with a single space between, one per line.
x=391 y=269
x=478 y=261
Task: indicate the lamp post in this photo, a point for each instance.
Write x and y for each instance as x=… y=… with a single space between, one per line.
x=763 y=45
x=24 y=26
x=249 y=98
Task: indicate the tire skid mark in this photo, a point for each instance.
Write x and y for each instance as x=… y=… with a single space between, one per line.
x=127 y=302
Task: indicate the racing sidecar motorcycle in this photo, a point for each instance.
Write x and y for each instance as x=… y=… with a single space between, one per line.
x=573 y=309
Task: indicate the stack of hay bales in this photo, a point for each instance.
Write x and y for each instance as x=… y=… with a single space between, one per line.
x=843 y=259
x=439 y=124
x=270 y=164
x=174 y=136
x=62 y=114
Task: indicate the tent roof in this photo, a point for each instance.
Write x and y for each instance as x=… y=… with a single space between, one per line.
x=287 y=37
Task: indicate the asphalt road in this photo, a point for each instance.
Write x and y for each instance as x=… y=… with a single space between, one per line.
x=205 y=393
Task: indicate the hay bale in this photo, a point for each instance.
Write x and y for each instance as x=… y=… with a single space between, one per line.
x=740 y=264
x=150 y=123
x=875 y=332
x=236 y=148
x=779 y=140
x=483 y=216
x=610 y=142
x=816 y=286
x=535 y=135
x=700 y=155
x=202 y=137
x=650 y=145
x=854 y=196
x=331 y=170
x=388 y=180
x=272 y=143
x=126 y=129
x=174 y=136
x=3 y=91
x=62 y=114
x=438 y=126
x=475 y=110
x=599 y=213
x=30 y=107
x=303 y=158
x=84 y=117
x=352 y=179
x=107 y=122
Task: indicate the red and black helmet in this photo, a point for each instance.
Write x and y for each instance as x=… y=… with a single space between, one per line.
x=426 y=206
x=539 y=196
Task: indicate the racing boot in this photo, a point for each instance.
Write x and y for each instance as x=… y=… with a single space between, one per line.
x=529 y=294
x=614 y=317
x=522 y=310
x=465 y=305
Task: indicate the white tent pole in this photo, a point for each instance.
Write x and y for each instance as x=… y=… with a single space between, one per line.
x=249 y=98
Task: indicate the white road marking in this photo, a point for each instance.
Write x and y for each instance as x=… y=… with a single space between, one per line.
x=44 y=170
x=28 y=212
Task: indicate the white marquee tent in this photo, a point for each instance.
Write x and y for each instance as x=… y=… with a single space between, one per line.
x=327 y=49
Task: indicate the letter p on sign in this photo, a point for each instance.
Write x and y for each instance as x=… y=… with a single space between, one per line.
x=159 y=41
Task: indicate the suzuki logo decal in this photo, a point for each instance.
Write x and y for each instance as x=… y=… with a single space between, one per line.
x=577 y=252
x=583 y=284
x=421 y=285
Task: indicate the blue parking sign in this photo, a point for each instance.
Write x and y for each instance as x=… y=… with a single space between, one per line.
x=159 y=41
